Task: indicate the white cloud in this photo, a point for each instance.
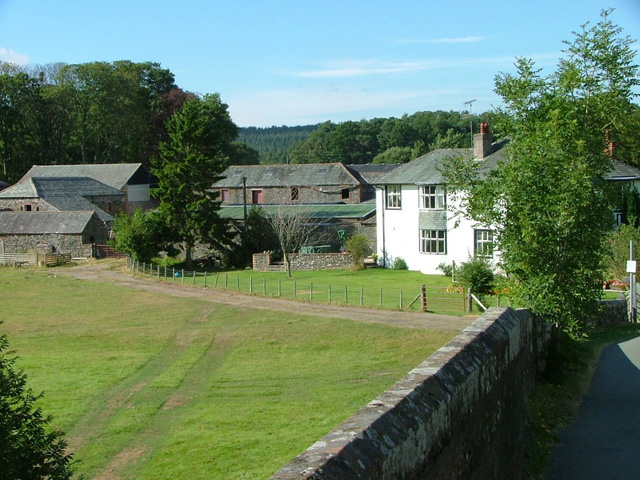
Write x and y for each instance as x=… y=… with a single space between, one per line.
x=452 y=40
x=360 y=68
x=309 y=106
x=10 y=56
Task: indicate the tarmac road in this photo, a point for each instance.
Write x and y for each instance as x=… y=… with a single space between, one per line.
x=603 y=443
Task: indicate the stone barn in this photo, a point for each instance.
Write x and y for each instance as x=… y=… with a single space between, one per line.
x=46 y=232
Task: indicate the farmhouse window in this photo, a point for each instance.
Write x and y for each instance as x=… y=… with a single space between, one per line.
x=295 y=194
x=484 y=243
x=394 y=196
x=432 y=197
x=345 y=194
x=224 y=194
x=433 y=241
x=256 y=196
x=27 y=207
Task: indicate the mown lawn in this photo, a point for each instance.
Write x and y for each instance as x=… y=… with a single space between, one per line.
x=154 y=387
x=374 y=287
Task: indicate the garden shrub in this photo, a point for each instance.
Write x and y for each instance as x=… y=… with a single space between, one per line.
x=476 y=274
x=400 y=264
x=358 y=246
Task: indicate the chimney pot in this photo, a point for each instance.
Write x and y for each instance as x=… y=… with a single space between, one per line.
x=482 y=142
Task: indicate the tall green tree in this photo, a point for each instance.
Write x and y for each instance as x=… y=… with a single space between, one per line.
x=19 y=106
x=547 y=202
x=198 y=150
x=29 y=448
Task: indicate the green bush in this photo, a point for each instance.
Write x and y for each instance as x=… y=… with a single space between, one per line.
x=358 y=246
x=447 y=270
x=476 y=274
x=400 y=264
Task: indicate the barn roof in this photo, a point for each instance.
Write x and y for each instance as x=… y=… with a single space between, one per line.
x=41 y=187
x=116 y=175
x=298 y=175
x=29 y=223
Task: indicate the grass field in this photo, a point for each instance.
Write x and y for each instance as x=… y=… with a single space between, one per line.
x=155 y=387
x=374 y=287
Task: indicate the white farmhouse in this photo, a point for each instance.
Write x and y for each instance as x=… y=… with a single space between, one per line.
x=415 y=218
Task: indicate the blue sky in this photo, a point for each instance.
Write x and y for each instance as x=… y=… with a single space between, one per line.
x=303 y=62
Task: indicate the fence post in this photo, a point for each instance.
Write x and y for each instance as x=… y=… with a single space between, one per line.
x=329 y=294
x=295 y=289
x=361 y=296
x=346 y=294
x=279 y=287
x=194 y=277
x=423 y=291
x=182 y=275
x=226 y=280
x=264 y=286
x=311 y=291
x=250 y=284
x=380 y=303
x=400 y=299
x=469 y=301
x=238 y=281
x=205 y=279
x=158 y=271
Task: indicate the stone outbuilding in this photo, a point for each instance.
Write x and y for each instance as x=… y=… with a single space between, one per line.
x=51 y=231
x=132 y=179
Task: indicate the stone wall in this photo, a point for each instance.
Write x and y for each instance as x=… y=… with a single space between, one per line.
x=305 y=195
x=458 y=415
x=304 y=262
x=51 y=242
x=614 y=311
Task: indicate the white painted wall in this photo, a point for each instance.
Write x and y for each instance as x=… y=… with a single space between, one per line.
x=398 y=234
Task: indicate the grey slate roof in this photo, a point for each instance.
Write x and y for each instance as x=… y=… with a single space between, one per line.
x=622 y=171
x=425 y=170
x=371 y=172
x=77 y=204
x=116 y=175
x=26 y=223
x=301 y=175
x=47 y=187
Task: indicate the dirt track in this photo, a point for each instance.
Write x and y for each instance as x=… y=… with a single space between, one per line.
x=115 y=272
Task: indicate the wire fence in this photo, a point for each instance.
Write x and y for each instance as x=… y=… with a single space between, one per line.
x=453 y=301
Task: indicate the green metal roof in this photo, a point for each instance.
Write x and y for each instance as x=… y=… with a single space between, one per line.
x=358 y=211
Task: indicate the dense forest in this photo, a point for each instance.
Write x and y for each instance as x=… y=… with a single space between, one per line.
x=274 y=143
x=102 y=112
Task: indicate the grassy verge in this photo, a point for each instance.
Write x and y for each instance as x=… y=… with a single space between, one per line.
x=374 y=287
x=151 y=387
x=557 y=395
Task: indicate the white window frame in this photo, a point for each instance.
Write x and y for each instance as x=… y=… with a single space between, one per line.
x=433 y=241
x=483 y=242
x=393 y=196
x=433 y=197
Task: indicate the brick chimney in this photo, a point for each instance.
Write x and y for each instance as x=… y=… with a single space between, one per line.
x=610 y=146
x=482 y=142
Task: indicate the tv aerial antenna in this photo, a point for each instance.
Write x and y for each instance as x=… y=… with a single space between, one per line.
x=469 y=103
